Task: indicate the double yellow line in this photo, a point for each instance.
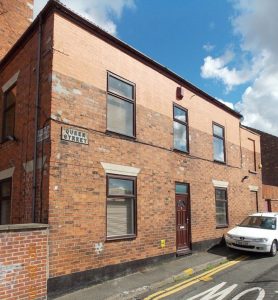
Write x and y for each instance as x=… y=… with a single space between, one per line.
x=206 y=276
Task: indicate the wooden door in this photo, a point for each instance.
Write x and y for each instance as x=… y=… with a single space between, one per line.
x=268 y=205
x=183 y=224
x=254 y=202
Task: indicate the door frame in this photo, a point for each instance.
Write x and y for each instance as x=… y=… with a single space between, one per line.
x=189 y=249
x=256 y=200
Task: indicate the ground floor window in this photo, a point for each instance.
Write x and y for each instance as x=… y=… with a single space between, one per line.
x=121 y=207
x=5 y=201
x=221 y=203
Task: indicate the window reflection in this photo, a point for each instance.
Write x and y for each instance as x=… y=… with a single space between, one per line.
x=119 y=116
x=120 y=107
x=218 y=147
x=120 y=87
x=179 y=114
x=218 y=143
x=181 y=189
x=180 y=129
x=180 y=141
x=120 y=187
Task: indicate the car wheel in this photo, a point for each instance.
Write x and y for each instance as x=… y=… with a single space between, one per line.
x=273 y=249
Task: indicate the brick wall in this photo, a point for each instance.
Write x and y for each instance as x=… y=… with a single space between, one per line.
x=73 y=93
x=15 y=17
x=270 y=194
x=274 y=205
x=19 y=154
x=77 y=189
x=269 y=145
x=269 y=149
x=78 y=183
x=23 y=262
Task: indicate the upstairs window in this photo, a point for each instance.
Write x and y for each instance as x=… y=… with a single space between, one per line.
x=252 y=165
x=5 y=201
x=121 y=207
x=120 y=106
x=219 y=143
x=9 y=113
x=180 y=128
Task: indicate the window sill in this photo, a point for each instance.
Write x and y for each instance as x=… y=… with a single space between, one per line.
x=121 y=238
x=219 y=162
x=120 y=135
x=180 y=151
x=222 y=226
x=253 y=172
x=23 y=227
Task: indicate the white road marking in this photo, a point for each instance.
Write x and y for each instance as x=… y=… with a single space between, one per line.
x=211 y=293
x=260 y=296
x=214 y=293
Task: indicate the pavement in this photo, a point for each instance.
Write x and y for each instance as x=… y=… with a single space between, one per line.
x=153 y=276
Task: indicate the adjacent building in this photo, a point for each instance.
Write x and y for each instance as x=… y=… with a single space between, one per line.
x=269 y=149
x=125 y=160
x=15 y=17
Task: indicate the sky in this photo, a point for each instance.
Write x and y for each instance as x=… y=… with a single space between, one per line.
x=228 y=48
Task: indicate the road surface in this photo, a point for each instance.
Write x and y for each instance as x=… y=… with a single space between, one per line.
x=251 y=276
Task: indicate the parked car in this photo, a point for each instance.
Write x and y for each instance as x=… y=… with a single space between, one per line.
x=257 y=233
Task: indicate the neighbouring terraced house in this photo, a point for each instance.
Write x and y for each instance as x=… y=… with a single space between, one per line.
x=269 y=150
x=115 y=160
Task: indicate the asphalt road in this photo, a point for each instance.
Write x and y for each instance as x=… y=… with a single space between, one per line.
x=254 y=278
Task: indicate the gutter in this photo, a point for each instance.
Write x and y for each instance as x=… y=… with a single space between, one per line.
x=37 y=101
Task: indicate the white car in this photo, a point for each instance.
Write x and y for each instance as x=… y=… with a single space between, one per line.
x=257 y=233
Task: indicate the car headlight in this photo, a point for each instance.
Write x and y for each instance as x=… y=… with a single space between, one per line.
x=261 y=240
x=229 y=236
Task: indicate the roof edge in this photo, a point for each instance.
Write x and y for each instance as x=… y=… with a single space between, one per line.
x=252 y=130
x=259 y=132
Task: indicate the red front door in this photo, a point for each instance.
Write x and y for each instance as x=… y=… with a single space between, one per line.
x=183 y=222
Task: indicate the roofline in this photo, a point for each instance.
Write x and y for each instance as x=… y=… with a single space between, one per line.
x=260 y=132
x=56 y=6
x=252 y=130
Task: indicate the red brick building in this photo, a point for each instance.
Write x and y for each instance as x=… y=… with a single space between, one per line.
x=132 y=162
x=269 y=149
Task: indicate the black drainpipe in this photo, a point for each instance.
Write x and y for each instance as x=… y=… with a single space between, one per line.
x=37 y=100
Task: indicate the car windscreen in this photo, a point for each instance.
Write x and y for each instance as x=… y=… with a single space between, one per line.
x=259 y=222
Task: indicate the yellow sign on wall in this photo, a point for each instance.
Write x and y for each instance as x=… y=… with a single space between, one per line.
x=162 y=243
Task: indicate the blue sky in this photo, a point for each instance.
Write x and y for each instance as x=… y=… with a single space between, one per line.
x=228 y=48
x=180 y=34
